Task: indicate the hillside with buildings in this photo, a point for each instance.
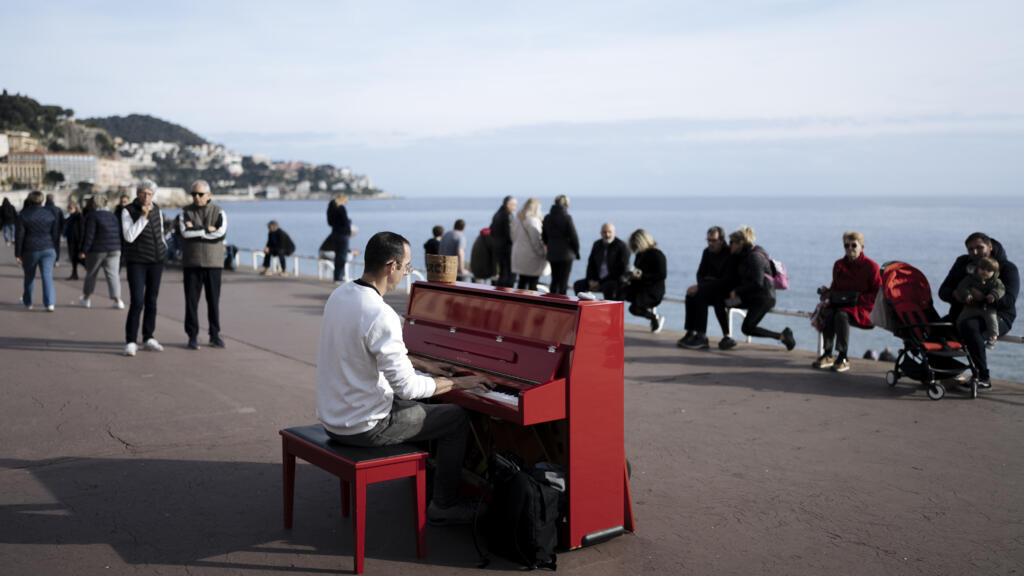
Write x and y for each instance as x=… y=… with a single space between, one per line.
x=45 y=147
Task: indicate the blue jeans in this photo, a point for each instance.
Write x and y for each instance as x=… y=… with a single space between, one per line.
x=44 y=259
x=8 y=232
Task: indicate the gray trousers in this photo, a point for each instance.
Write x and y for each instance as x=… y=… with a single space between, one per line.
x=111 y=263
x=412 y=421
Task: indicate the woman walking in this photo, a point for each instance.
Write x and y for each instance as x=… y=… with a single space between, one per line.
x=559 y=235
x=37 y=232
x=74 y=232
x=529 y=260
x=101 y=247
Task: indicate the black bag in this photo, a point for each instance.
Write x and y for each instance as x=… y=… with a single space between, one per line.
x=521 y=522
x=229 y=256
x=844 y=297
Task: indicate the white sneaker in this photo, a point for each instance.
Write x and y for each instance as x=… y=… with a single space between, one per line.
x=85 y=302
x=153 y=346
x=585 y=295
x=50 y=308
x=658 y=324
x=119 y=304
x=130 y=349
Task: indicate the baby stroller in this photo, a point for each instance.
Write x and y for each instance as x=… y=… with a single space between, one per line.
x=931 y=351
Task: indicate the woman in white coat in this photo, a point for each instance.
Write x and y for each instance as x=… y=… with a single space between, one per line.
x=529 y=259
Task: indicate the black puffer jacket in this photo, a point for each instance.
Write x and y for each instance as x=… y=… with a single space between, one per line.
x=149 y=246
x=36 y=229
x=559 y=235
x=754 y=269
x=1006 y=307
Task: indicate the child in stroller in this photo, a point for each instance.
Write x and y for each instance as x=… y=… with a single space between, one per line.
x=931 y=351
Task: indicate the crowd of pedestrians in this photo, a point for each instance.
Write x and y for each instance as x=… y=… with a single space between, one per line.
x=520 y=247
x=734 y=272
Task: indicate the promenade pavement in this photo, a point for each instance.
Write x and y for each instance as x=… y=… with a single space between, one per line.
x=744 y=462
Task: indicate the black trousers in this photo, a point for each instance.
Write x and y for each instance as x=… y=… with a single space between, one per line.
x=756 y=310
x=527 y=282
x=560 y=276
x=836 y=329
x=280 y=258
x=144 y=289
x=505 y=276
x=708 y=294
x=972 y=334
x=196 y=280
x=611 y=288
x=340 y=254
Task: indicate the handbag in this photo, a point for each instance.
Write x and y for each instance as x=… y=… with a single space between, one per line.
x=844 y=297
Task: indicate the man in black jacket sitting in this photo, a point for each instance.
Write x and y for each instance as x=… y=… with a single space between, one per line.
x=980 y=245
x=606 y=267
x=715 y=277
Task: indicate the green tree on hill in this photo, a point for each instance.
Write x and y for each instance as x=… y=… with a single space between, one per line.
x=145 y=128
x=22 y=113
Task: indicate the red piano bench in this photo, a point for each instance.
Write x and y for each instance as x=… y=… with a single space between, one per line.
x=358 y=467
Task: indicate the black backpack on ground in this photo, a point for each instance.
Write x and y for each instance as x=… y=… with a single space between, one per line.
x=520 y=523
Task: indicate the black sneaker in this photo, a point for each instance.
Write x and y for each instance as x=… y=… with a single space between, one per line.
x=984 y=383
x=685 y=339
x=216 y=342
x=193 y=344
x=699 y=342
x=726 y=343
x=787 y=339
x=461 y=513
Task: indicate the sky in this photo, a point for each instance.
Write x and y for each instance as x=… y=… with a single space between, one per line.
x=488 y=98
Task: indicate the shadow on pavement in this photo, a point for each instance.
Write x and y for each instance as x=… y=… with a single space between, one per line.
x=224 y=514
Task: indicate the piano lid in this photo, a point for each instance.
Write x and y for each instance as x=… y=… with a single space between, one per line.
x=551 y=319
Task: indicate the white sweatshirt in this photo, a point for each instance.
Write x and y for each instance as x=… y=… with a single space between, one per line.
x=362 y=362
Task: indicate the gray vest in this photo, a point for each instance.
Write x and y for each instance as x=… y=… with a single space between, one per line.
x=200 y=252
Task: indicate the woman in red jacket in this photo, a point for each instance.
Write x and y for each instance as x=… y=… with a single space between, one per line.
x=850 y=298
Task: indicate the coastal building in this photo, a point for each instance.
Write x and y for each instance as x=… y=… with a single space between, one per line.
x=21 y=142
x=4 y=175
x=75 y=166
x=112 y=173
x=26 y=168
x=5 y=147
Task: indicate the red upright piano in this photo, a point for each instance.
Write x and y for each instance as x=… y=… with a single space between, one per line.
x=557 y=363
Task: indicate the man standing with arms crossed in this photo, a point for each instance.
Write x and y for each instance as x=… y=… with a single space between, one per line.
x=142 y=227
x=203 y=226
x=366 y=384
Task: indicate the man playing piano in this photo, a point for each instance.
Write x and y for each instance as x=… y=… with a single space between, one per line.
x=367 y=386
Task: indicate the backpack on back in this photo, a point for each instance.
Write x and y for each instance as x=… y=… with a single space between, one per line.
x=779 y=277
x=521 y=522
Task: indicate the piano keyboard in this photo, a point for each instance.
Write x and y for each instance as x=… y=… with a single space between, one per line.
x=507 y=399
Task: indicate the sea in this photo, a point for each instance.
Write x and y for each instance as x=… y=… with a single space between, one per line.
x=805 y=233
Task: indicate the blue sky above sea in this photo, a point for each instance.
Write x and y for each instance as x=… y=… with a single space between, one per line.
x=765 y=97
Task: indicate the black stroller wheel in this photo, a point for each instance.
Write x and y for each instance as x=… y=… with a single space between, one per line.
x=891 y=378
x=936 y=391
x=974 y=388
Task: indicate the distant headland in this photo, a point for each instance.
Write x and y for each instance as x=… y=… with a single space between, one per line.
x=44 y=147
